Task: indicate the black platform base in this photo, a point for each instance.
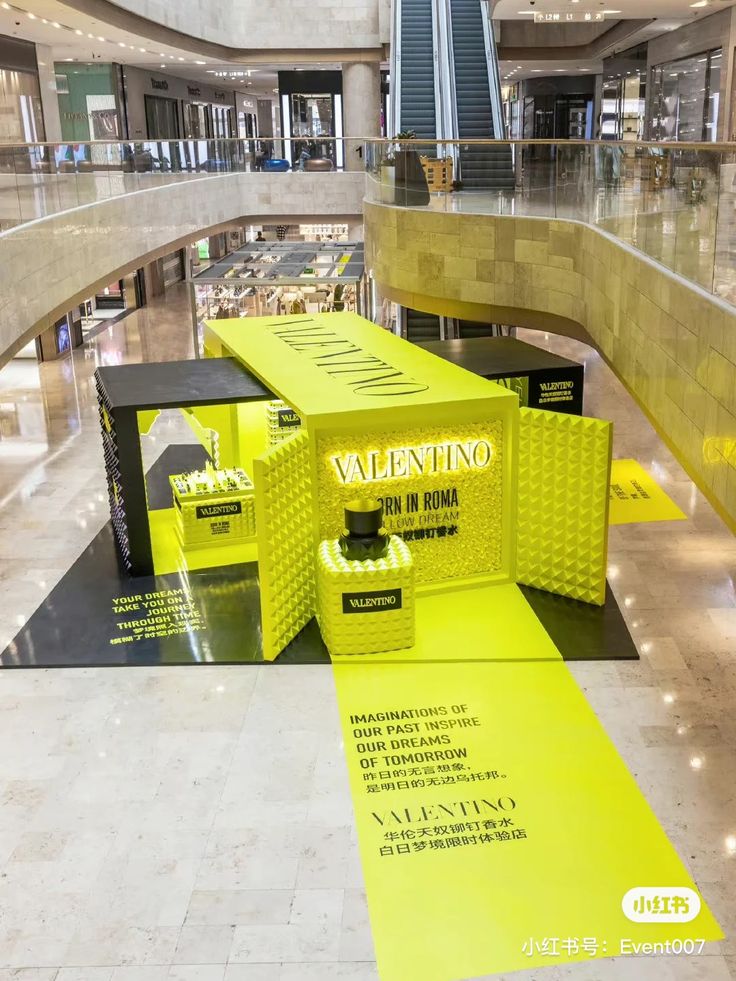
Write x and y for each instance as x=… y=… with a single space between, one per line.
x=98 y=616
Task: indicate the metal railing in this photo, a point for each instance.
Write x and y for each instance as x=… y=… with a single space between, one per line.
x=674 y=202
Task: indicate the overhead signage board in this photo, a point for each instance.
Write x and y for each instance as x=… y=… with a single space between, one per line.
x=567 y=17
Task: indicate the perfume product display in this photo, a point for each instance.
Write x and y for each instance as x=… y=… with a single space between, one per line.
x=365 y=585
x=213 y=507
x=282 y=421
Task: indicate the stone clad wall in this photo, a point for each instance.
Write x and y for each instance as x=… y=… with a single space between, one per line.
x=53 y=263
x=672 y=344
x=278 y=24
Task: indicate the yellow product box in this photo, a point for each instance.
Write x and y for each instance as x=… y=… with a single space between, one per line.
x=283 y=421
x=365 y=606
x=214 y=507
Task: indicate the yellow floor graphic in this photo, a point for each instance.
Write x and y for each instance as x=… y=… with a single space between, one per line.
x=499 y=828
x=635 y=497
x=168 y=555
x=489 y=623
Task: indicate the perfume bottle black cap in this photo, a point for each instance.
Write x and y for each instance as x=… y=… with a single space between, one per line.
x=363 y=516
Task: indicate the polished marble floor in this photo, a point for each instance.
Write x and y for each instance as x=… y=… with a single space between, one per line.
x=196 y=824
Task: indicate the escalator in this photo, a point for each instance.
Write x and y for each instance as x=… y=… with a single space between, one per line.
x=480 y=166
x=422 y=326
x=443 y=56
x=417 y=79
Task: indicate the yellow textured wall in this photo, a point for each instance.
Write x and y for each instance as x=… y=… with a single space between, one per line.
x=671 y=343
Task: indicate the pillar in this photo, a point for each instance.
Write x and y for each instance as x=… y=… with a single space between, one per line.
x=361 y=96
x=49 y=95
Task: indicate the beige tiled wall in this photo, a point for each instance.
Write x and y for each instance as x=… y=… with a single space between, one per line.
x=55 y=262
x=670 y=342
x=279 y=24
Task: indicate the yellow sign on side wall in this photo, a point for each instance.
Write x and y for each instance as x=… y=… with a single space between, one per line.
x=636 y=497
x=499 y=828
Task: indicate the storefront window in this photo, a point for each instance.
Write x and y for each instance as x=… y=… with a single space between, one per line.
x=87 y=103
x=312 y=117
x=162 y=118
x=196 y=121
x=686 y=98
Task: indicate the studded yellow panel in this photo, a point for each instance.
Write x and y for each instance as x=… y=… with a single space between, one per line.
x=285 y=543
x=562 y=516
x=450 y=514
x=365 y=607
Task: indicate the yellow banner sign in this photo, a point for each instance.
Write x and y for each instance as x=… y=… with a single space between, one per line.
x=635 y=497
x=499 y=828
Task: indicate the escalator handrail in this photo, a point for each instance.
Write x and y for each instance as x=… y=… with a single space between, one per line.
x=494 y=77
x=447 y=128
x=393 y=123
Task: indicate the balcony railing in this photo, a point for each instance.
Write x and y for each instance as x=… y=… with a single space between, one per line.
x=41 y=179
x=674 y=202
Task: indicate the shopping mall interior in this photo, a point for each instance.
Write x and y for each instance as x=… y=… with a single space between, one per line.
x=368 y=490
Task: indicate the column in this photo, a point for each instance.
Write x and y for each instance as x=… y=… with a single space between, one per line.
x=361 y=94
x=49 y=96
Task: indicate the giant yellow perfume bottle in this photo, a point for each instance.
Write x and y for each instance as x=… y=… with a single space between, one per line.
x=365 y=586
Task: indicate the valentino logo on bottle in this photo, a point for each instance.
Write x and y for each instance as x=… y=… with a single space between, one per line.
x=371 y=602
x=219 y=510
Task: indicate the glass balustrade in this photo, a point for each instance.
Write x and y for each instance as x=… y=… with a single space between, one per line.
x=674 y=202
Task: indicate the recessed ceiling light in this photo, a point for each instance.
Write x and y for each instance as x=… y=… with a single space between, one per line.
x=142 y=50
x=91 y=36
x=122 y=44
x=611 y=11
x=56 y=24
x=80 y=33
x=163 y=66
x=200 y=62
x=32 y=16
x=100 y=37
x=700 y=3
x=181 y=59
x=5 y=6
x=525 y=13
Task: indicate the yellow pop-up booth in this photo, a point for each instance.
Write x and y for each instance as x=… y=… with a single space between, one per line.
x=482 y=492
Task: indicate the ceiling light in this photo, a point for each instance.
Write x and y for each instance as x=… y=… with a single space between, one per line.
x=161 y=54
x=44 y=21
x=32 y=16
x=611 y=11
x=56 y=24
x=163 y=66
x=200 y=62
x=142 y=50
x=91 y=36
x=700 y=3
x=100 y=37
x=5 y=6
x=181 y=59
x=122 y=44
x=80 y=33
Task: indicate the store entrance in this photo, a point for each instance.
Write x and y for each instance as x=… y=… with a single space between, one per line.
x=312 y=120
